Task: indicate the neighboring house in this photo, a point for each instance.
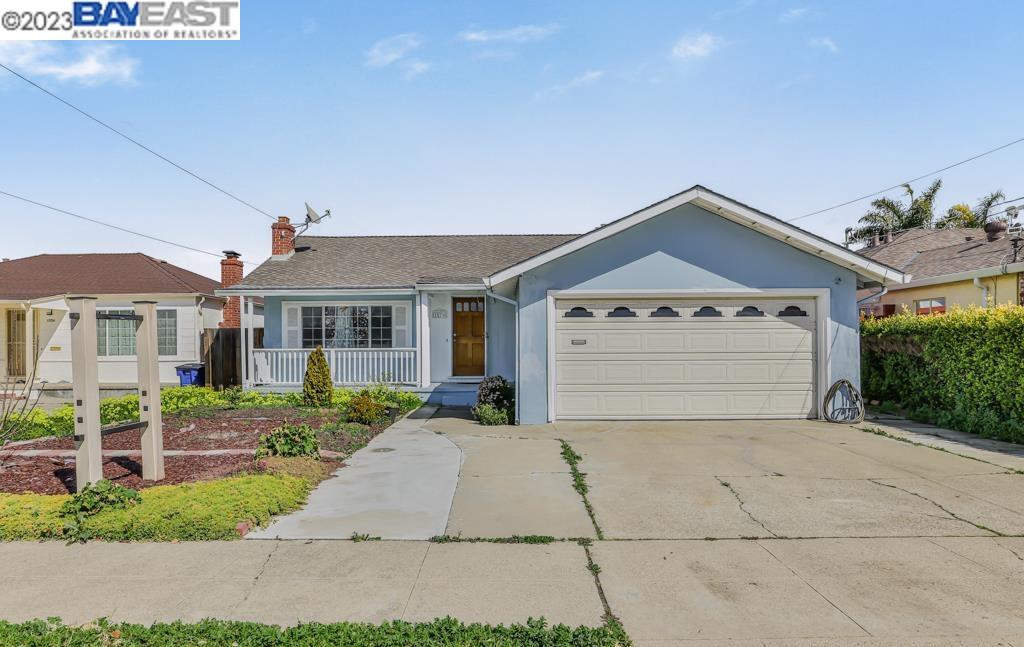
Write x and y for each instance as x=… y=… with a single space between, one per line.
x=34 y=320
x=694 y=307
x=947 y=268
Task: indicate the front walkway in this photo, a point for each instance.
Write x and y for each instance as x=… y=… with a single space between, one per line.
x=400 y=486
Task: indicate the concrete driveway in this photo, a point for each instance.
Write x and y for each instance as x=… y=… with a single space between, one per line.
x=698 y=533
x=791 y=531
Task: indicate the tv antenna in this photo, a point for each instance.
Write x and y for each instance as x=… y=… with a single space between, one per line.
x=312 y=218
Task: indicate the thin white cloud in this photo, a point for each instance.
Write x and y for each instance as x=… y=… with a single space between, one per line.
x=694 y=46
x=520 y=34
x=415 y=68
x=795 y=14
x=824 y=42
x=88 y=65
x=394 y=48
x=587 y=78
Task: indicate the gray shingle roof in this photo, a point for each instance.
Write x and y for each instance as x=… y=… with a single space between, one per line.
x=396 y=261
x=926 y=253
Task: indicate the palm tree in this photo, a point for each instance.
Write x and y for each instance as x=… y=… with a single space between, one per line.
x=962 y=216
x=889 y=214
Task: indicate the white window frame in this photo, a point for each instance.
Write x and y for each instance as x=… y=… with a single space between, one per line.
x=406 y=324
x=933 y=304
x=131 y=310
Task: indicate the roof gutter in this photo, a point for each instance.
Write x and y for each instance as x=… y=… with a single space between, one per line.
x=331 y=292
x=1009 y=268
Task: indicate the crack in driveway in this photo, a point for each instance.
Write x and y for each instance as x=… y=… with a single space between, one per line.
x=939 y=506
x=743 y=507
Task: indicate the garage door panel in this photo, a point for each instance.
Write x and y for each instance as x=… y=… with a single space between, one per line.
x=686 y=366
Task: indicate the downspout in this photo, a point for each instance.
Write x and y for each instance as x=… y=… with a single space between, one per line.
x=984 y=291
x=877 y=295
x=515 y=304
x=200 y=327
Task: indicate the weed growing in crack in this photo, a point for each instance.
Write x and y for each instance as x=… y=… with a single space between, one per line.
x=357 y=537
x=579 y=482
x=514 y=539
x=885 y=434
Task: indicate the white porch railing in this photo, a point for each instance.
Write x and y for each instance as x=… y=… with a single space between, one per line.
x=287 y=367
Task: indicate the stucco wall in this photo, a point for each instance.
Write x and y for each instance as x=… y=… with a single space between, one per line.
x=685 y=248
x=1002 y=289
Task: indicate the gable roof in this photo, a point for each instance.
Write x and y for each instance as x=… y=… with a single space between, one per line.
x=360 y=262
x=868 y=269
x=47 y=275
x=930 y=253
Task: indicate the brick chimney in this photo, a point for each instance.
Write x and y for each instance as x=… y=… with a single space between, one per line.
x=231 y=274
x=282 y=244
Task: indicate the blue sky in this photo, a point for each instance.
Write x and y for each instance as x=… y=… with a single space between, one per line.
x=481 y=117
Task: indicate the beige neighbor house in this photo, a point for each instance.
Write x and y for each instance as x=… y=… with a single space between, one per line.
x=947 y=268
x=34 y=322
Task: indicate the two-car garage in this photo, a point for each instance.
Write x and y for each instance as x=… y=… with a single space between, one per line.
x=634 y=357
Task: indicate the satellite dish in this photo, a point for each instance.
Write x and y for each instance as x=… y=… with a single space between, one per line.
x=312 y=217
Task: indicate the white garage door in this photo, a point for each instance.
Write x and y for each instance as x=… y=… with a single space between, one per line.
x=684 y=358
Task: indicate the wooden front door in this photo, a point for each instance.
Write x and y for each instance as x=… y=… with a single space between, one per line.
x=468 y=336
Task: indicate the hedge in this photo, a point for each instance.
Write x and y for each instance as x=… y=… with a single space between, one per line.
x=60 y=422
x=445 y=632
x=962 y=370
x=201 y=511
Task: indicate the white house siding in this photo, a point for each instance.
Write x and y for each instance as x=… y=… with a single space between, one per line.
x=54 y=335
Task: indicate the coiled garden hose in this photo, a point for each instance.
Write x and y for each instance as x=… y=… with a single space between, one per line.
x=849 y=410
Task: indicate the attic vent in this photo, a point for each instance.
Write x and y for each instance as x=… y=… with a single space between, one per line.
x=579 y=311
x=707 y=311
x=621 y=311
x=750 y=311
x=664 y=311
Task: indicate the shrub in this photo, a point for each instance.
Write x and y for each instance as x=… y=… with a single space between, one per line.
x=99 y=496
x=202 y=511
x=317 y=386
x=963 y=369
x=404 y=401
x=289 y=441
x=488 y=414
x=364 y=409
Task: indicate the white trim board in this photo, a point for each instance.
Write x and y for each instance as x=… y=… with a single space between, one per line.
x=822 y=313
x=731 y=210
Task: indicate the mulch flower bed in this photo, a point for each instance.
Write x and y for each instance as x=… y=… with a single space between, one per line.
x=56 y=475
x=230 y=429
x=238 y=430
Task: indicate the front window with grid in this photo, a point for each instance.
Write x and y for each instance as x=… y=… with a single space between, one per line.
x=116 y=337
x=355 y=326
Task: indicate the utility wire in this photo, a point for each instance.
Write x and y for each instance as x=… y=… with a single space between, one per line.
x=107 y=224
x=896 y=186
x=136 y=142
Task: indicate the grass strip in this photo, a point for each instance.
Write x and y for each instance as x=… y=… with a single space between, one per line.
x=446 y=632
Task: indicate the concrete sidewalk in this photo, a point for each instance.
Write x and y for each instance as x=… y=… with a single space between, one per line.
x=285 y=582
x=400 y=486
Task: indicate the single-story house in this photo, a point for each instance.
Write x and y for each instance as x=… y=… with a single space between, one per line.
x=35 y=327
x=947 y=268
x=697 y=306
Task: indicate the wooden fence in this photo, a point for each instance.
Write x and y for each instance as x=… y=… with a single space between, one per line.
x=222 y=355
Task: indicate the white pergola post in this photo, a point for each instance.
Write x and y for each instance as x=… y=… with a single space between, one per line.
x=86 y=390
x=148 y=357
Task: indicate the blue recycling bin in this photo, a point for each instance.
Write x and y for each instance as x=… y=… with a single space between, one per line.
x=191 y=374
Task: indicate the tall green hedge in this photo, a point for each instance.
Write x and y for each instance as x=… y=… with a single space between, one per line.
x=963 y=370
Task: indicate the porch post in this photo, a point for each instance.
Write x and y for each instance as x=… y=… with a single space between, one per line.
x=250 y=360
x=423 y=336
x=148 y=358
x=86 y=391
x=30 y=348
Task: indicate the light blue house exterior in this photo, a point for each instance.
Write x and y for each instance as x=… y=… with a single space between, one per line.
x=610 y=324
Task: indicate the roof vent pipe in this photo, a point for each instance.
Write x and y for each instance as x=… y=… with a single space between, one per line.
x=874 y=240
x=995 y=229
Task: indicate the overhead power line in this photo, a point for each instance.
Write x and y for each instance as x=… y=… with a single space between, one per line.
x=136 y=142
x=107 y=224
x=896 y=186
